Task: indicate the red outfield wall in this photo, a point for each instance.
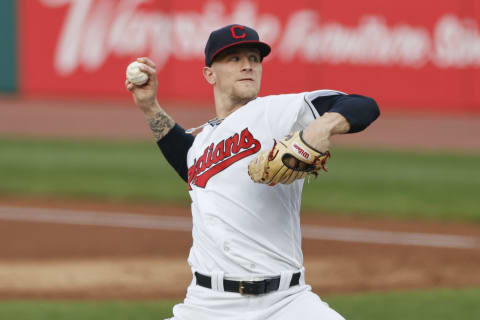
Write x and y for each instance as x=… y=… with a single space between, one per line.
x=409 y=54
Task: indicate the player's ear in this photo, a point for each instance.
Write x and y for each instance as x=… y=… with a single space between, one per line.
x=209 y=75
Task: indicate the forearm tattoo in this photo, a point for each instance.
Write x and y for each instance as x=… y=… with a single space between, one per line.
x=160 y=124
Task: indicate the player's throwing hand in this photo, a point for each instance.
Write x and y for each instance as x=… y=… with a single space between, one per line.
x=145 y=95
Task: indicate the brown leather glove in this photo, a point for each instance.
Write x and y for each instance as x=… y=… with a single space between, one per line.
x=290 y=159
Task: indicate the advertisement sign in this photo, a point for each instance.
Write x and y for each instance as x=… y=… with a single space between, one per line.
x=413 y=55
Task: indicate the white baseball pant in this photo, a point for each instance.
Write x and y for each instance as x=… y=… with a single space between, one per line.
x=296 y=302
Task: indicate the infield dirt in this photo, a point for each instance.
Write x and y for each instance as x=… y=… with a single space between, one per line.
x=48 y=260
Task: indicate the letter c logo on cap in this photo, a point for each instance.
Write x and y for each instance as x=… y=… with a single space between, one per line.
x=238 y=36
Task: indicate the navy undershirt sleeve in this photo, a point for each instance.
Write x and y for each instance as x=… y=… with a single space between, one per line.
x=175 y=147
x=360 y=111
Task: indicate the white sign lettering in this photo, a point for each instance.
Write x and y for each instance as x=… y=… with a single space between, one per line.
x=94 y=31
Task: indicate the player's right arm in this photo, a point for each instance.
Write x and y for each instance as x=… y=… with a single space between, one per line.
x=170 y=137
x=145 y=97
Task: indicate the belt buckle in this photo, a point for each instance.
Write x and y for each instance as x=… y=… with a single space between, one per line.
x=243 y=289
x=248 y=287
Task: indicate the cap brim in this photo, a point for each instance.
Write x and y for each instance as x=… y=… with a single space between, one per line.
x=262 y=46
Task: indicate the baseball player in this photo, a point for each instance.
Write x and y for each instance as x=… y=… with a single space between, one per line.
x=244 y=171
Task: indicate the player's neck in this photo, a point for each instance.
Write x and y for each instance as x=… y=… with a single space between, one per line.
x=224 y=105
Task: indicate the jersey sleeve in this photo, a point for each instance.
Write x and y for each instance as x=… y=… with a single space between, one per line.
x=360 y=111
x=175 y=146
x=293 y=112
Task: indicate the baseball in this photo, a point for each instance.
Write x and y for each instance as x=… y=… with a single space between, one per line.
x=135 y=75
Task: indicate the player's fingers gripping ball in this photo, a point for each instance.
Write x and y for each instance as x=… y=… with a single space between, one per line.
x=135 y=75
x=290 y=159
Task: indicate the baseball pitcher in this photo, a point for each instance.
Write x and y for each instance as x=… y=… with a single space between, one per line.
x=245 y=171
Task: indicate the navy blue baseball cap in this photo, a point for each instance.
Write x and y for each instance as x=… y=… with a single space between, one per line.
x=230 y=36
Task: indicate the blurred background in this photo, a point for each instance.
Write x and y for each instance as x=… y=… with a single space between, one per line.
x=94 y=222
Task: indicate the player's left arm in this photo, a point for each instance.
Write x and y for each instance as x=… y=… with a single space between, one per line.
x=339 y=114
x=305 y=152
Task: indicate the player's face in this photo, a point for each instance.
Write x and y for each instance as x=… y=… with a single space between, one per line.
x=238 y=73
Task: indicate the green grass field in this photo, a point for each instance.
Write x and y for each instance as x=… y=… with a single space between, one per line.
x=416 y=305
x=435 y=186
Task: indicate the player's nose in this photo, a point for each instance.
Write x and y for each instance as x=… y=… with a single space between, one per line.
x=246 y=64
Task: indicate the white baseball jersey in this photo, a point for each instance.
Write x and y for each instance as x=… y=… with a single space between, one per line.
x=242 y=228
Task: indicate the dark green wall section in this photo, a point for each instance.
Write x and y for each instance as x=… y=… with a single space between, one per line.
x=8 y=46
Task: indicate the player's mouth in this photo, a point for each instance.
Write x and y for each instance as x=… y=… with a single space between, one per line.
x=246 y=79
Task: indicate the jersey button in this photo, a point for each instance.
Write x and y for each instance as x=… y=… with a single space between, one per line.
x=226 y=247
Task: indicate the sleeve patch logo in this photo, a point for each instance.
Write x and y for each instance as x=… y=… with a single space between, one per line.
x=217 y=158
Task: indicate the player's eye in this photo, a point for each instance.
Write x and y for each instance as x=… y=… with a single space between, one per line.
x=254 y=58
x=235 y=58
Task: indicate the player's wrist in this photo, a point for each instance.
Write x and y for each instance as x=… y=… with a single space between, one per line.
x=317 y=137
x=150 y=108
x=307 y=144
